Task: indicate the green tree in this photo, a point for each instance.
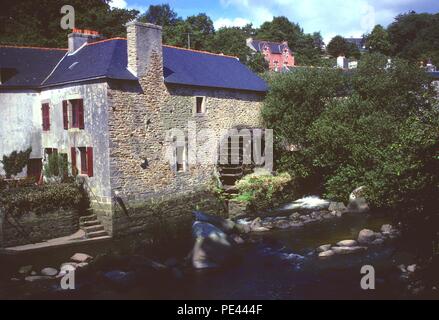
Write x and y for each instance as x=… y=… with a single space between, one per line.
x=162 y=15
x=15 y=162
x=257 y=63
x=339 y=46
x=232 y=41
x=379 y=41
x=415 y=36
x=280 y=29
x=37 y=23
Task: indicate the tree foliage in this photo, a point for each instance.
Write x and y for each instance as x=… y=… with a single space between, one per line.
x=339 y=46
x=378 y=41
x=15 y=162
x=384 y=134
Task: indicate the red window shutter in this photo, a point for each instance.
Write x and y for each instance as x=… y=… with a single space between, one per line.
x=65 y=114
x=90 y=161
x=73 y=156
x=81 y=114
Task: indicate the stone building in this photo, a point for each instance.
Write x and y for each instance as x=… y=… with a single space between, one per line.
x=108 y=106
x=278 y=55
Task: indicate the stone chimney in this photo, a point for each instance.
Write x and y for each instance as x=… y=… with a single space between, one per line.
x=78 y=37
x=144 y=41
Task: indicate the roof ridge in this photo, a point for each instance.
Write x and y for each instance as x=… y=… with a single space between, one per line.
x=275 y=42
x=201 y=51
x=30 y=47
x=106 y=40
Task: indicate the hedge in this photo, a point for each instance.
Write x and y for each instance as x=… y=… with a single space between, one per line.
x=44 y=199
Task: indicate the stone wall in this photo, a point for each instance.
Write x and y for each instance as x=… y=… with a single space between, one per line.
x=166 y=216
x=37 y=228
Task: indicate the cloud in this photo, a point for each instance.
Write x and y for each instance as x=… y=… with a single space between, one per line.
x=226 y=22
x=331 y=17
x=121 y=4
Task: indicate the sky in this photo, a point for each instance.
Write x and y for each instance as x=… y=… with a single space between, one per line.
x=331 y=17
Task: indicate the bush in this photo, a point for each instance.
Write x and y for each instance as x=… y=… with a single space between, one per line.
x=44 y=199
x=15 y=162
x=56 y=166
x=261 y=191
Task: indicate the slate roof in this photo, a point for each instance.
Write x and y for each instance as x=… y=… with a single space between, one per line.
x=27 y=67
x=108 y=59
x=275 y=47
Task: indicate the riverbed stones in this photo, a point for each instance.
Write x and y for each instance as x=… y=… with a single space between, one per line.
x=366 y=236
x=326 y=254
x=323 y=248
x=347 y=250
x=412 y=268
x=50 y=272
x=377 y=242
x=295 y=216
x=337 y=207
x=347 y=243
x=81 y=257
x=25 y=270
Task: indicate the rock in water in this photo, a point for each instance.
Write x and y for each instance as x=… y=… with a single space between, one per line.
x=212 y=246
x=325 y=247
x=326 y=254
x=225 y=225
x=50 y=272
x=347 y=243
x=347 y=250
x=81 y=257
x=366 y=236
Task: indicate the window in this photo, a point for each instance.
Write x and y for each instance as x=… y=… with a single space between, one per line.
x=86 y=155
x=200 y=106
x=76 y=113
x=180 y=165
x=45 y=109
x=83 y=152
x=180 y=157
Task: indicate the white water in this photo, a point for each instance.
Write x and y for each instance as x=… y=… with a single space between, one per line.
x=309 y=203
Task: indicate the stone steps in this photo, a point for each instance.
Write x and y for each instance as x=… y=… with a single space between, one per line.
x=92 y=227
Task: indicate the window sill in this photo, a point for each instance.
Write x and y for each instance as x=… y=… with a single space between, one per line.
x=75 y=130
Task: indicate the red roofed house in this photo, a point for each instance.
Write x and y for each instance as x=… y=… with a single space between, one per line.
x=278 y=55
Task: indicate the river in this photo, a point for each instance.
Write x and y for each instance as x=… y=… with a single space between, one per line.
x=272 y=265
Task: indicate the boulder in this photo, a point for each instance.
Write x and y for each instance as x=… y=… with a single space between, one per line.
x=357 y=201
x=257 y=223
x=337 y=207
x=260 y=229
x=326 y=254
x=81 y=257
x=228 y=226
x=324 y=248
x=347 y=243
x=50 y=272
x=212 y=246
x=347 y=250
x=366 y=236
